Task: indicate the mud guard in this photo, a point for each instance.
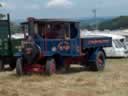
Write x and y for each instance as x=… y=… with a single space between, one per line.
x=92 y=56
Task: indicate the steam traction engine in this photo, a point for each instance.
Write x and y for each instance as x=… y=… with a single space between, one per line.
x=51 y=45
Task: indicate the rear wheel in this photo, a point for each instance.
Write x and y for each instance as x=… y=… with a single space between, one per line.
x=67 y=64
x=19 y=66
x=1 y=66
x=99 y=63
x=50 y=66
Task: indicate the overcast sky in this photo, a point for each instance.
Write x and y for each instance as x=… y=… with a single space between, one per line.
x=20 y=9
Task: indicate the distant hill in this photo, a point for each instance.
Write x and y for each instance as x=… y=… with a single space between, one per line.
x=83 y=20
x=86 y=22
x=18 y=21
x=89 y=23
x=116 y=23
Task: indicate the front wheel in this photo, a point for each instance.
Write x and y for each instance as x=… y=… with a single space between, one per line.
x=1 y=66
x=50 y=66
x=99 y=63
x=19 y=66
x=12 y=65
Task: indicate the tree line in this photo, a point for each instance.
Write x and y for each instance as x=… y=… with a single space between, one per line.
x=15 y=28
x=120 y=22
x=116 y=23
x=1 y=15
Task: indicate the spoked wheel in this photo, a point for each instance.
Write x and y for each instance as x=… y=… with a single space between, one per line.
x=1 y=66
x=99 y=64
x=50 y=66
x=19 y=67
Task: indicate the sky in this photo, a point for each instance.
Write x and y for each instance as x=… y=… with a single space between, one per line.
x=21 y=9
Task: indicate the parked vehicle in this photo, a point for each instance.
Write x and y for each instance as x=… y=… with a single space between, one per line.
x=51 y=45
x=8 y=45
x=119 y=47
x=121 y=33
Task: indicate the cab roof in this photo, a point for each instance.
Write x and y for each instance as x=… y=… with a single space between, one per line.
x=49 y=20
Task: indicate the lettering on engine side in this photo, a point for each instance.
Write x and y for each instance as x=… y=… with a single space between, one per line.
x=98 y=41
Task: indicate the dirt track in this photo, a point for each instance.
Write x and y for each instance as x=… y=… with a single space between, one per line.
x=112 y=82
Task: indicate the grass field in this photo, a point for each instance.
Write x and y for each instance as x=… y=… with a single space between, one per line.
x=113 y=81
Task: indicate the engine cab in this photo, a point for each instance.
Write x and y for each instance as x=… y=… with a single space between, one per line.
x=54 y=36
x=47 y=42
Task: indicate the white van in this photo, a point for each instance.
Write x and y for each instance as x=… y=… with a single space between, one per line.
x=119 y=47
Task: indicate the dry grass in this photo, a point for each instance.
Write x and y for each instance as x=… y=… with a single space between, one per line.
x=112 y=82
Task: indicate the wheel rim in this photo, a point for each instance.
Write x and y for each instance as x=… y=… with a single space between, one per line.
x=19 y=68
x=52 y=68
x=100 y=60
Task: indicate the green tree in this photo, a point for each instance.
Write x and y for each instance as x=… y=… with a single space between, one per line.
x=116 y=23
x=1 y=15
x=15 y=28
